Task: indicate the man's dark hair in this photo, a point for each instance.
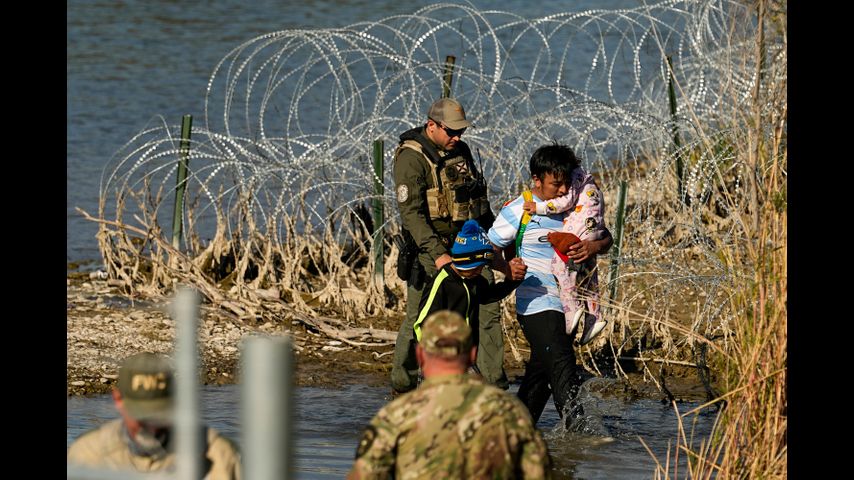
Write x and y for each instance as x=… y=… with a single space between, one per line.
x=558 y=160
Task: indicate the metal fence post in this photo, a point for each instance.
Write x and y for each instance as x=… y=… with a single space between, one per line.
x=267 y=407
x=379 y=215
x=448 y=75
x=188 y=429
x=680 y=165
x=618 y=241
x=181 y=185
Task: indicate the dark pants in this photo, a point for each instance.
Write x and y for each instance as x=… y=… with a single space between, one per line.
x=490 y=346
x=551 y=368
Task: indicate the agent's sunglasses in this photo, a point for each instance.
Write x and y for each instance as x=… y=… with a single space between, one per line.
x=450 y=131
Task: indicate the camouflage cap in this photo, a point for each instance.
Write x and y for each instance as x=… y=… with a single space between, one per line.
x=446 y=334
x=448 y=112
x=145 y=382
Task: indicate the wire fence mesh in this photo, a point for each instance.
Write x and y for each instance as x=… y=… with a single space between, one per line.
x=281 y=170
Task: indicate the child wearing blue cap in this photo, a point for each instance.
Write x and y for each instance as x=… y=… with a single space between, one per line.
x=459 y=287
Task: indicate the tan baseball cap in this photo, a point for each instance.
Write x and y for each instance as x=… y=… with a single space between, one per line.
x=449 y=112
x=446 y=334
x=146 y=382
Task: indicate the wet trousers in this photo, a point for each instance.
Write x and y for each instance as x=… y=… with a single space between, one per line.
x=551 y=370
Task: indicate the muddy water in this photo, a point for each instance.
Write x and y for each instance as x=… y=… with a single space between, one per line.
x=329 y=422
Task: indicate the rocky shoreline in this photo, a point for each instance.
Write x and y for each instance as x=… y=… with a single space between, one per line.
x=103 y=327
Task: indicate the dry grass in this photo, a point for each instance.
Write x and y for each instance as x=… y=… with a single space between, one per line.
x=749 y=438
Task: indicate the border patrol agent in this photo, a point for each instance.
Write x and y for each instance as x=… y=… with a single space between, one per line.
x=438 y=188
x=140 y=440
x=453 y=425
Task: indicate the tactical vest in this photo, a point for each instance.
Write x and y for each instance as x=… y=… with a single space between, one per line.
x=458 y=192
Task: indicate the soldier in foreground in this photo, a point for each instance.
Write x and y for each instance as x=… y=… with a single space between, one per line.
x=453 y=425
x=140 y=440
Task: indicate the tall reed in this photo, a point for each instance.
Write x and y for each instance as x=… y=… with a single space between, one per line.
x=749 y=439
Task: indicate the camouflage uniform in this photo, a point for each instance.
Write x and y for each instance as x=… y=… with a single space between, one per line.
x=452 y=426
x=413 y=178
x=107 y=447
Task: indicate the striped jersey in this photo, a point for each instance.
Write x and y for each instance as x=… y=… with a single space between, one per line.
x=539 y=290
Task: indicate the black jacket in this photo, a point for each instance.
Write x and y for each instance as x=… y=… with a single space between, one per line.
x=449 y=291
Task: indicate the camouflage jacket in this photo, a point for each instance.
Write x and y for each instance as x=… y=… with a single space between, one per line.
x=452 y=426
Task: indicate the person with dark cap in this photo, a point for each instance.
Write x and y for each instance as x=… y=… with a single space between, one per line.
x=438 y=188
x=453 y=425
x=141 y=439
x=459 y=286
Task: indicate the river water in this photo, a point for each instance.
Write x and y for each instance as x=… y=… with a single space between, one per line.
x=329 y=423
x=131 y=62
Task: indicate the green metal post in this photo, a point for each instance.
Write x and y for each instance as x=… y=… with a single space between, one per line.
x=680 y=166
x=618 y=241
x=448 y=75
x=379 y=220
x=184 y=156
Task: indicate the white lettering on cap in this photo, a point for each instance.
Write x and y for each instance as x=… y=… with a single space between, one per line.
x=148 y=381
